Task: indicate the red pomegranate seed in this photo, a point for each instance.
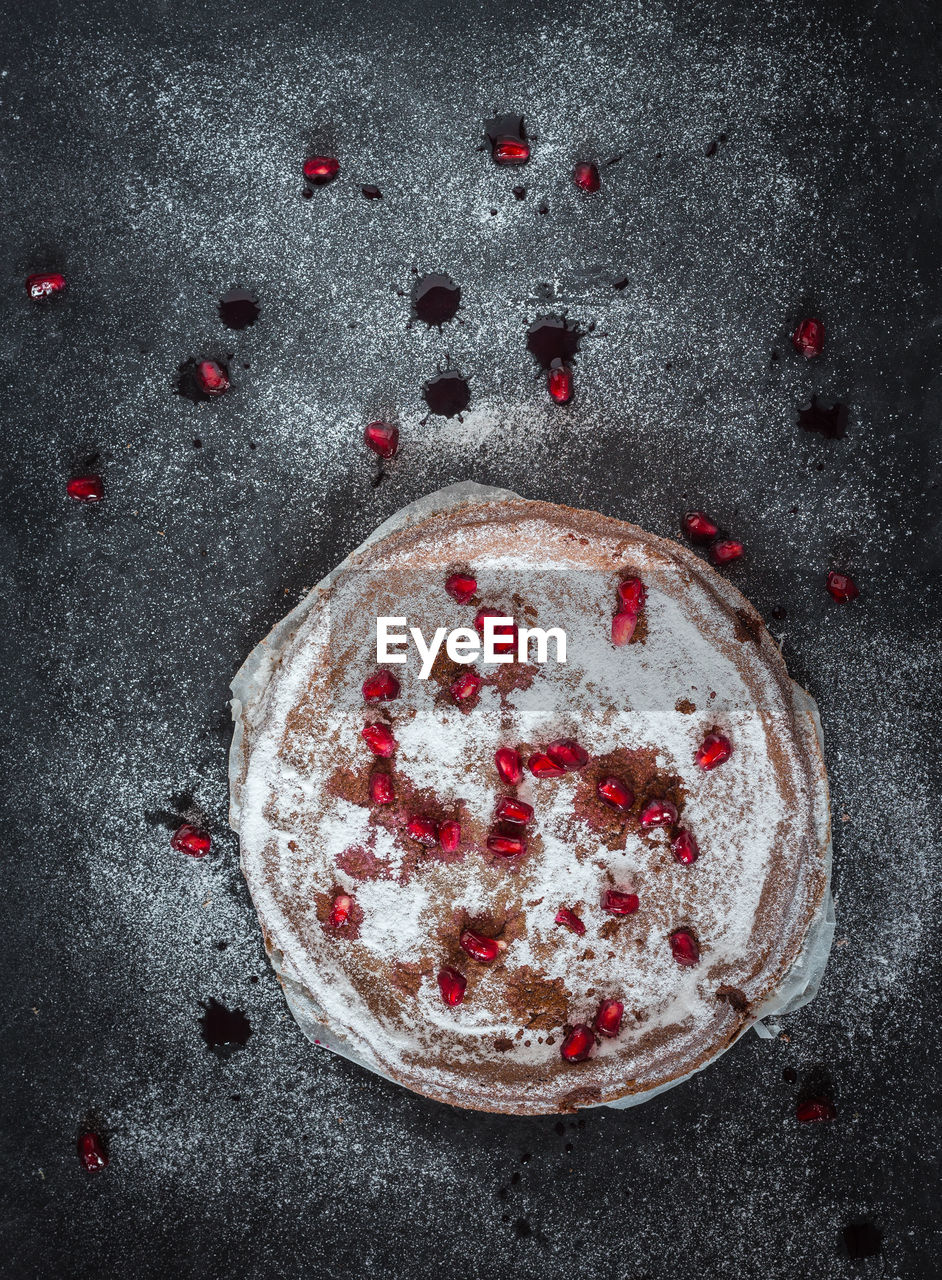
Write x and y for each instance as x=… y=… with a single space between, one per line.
x=615 y=793
x=44 y=285
x=569 y=918
x=91 y=1152
x=619 y=903
x=623 y=627
x=465 y=687
x=211 y=378
x=422 y=829
x=725 y=550
x=461 y=587
x=684 y=947
x=449 y=836
x=510 y=809
x=698 y=527
x=321 y=169
x=379 y=738
x=814 y=1109
x=632 y=593
x=608 y=1018
x=340 y=911
x=578 y=1044
x=808 y=338
x=505 y=636
x=559 y=382
x=567 y=753
x=842 y=587
x=479 y=948
x=713 y=750
x=508 y=765
x=658 y=813
x=452 y=985
x=684 y=847
x=510 y=151
x=506 y=846
x=542 y=765
x=382 y=438
x=86 y=488
x=191 y=840
x=586 y=177
x=380 y=687
x=381 y=788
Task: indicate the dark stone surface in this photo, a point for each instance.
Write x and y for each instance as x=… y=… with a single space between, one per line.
x=775 y=160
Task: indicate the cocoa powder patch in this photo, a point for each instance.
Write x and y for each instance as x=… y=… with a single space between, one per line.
x=538 y=1002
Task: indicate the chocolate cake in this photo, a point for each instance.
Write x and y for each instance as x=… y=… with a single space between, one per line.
x=539 y=884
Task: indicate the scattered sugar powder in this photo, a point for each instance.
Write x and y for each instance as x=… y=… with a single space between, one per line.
x=177 y=152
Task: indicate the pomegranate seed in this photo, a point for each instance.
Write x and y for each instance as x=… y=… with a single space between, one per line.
x=586 y=177
x=567 y=753
x=505 y=636
x=380 y=687
x=379 y=738
x=461 y=587
x=506 y=846
x=44 y=285
x=559 y=382
x=569 y=918
x=658 y=813
x=449 y=836
x=191 y=840
x=382 y=438
x=698 y=527
x=479 y=948
x=321 y=169
x=725 y=550
x=608 y=1018
x=632 y=593
x=340 y=911
x=814 y=1109
x=684 y=847
x=808 y=338
x=684 y=947
x=381 y=788
x=510 y=809
x=511 y=151
x=543 y=766
x=452 y=985
x=508 y=765
x=619 y=903
x=842 y=587
x=211 y=378
x=578 y=1044
x=91 y=1152
x=86 y=488
x=466 y=687
x=615 y=793
x=422 y=829
x=715 y=749
x=623 y=627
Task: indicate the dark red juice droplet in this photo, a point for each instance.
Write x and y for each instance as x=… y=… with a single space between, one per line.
x=437 y=299
x=447 y=393
x=552 y=338
x=238 y=309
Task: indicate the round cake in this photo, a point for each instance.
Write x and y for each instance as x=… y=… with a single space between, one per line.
x=543 y=883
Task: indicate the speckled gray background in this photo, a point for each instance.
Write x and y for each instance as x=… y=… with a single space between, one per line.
x=155 y=157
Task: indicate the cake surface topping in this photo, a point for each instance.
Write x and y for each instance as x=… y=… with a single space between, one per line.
x=539 y=891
